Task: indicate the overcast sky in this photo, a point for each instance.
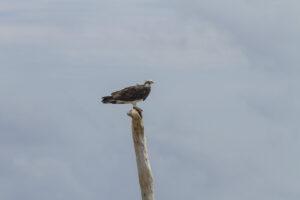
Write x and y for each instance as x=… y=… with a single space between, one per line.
x=222 y=120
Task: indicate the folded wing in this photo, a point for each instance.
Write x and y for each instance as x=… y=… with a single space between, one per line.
x=131 y=93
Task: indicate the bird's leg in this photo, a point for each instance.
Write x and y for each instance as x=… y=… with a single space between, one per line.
x=140 y=111
x=137 y=108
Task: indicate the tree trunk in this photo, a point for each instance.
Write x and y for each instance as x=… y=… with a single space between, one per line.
x=141 y=152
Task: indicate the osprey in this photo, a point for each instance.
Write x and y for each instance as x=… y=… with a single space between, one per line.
x=129 y=95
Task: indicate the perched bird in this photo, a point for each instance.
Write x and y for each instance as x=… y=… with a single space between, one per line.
x=130 y=95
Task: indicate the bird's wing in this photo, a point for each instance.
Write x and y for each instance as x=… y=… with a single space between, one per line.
x=130 y=93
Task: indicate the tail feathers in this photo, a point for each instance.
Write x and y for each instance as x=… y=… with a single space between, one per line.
x=108 y=99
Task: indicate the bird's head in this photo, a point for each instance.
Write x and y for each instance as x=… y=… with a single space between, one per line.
x=148 y=83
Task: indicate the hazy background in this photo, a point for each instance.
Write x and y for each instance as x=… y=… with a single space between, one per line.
x=221 y=121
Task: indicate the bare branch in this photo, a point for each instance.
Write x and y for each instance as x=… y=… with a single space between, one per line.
x=141 y=152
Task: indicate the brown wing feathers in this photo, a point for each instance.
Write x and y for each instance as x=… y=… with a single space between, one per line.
x=128 y=94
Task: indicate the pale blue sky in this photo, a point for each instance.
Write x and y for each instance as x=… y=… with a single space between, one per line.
x=221 y=121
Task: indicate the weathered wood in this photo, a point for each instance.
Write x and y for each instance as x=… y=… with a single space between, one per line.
x=141 y=152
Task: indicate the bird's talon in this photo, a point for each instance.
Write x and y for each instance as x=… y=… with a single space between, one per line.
x=137 y=108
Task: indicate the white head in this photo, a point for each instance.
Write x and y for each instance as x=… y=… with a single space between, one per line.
x=148 y=83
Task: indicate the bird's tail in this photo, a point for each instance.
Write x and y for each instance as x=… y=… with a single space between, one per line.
x=108 y=99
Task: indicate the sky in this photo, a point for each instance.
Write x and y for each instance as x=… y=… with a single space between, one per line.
x=221 y=120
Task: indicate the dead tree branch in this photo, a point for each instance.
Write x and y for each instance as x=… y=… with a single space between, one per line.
x=141 y=152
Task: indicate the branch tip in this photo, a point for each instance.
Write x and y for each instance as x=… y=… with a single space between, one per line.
x=135 y=112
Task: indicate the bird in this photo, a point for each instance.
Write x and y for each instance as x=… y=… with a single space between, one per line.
x=130 y=95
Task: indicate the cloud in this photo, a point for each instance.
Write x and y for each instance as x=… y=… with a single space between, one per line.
x=221 y=121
